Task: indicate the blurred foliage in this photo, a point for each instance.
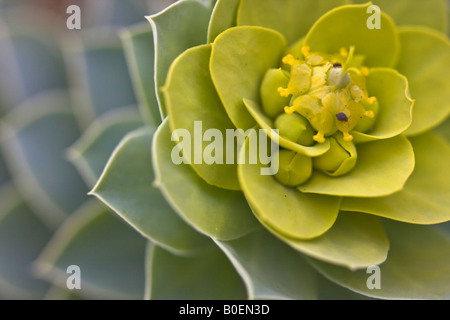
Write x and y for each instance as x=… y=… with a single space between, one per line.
x=66 y=100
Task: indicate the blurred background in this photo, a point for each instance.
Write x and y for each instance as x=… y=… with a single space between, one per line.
x=66 y=100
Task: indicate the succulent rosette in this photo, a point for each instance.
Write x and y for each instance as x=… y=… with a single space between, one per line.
x=347 y=93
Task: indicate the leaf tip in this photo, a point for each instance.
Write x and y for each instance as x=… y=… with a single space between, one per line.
x=157 y=183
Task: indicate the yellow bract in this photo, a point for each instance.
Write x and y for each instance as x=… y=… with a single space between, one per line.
x=327 y=91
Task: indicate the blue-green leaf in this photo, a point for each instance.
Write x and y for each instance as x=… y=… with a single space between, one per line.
x=355 y=241
x=219 y=213
x=127 y=187
x=425 y=196
x=179 y=27
x=417 y=266
x=35 y=138
x=209 y=276
x=4 y=174
x=139 y=52
x=108 y=252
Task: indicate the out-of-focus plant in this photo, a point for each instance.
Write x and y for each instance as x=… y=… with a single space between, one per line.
x=66 y=100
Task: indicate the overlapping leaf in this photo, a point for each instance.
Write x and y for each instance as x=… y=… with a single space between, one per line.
x=109 y=254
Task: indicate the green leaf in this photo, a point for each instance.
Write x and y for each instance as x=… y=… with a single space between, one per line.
x=209 y=276
x=395 y=113
x=110 y=255
x=32 y=62
x=4 y=174
x=35 y=136
x=431 y=13
x=273 y=104
x=90 y=153
x=126 y=187
x=267 y=124
x=22 y=237
x=139 y=54
x=223 y=17
x=424 y=199
x=285 y=210
x=417 y=266
x=57 y=293
x=355 y=241
x=157 y=5
x=347 y=26
x=3 y=108
x=329 y=290
x=100 y=76
x=240 y=58
x=200 y=204
x=269 y=268
x=444 y=130
x=197 y=100
x=445 y=227
x=383 y=168
x=425 y=61
x=291 y=18
x=179 y=27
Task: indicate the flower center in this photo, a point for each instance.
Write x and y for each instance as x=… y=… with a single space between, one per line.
x=328 y=91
